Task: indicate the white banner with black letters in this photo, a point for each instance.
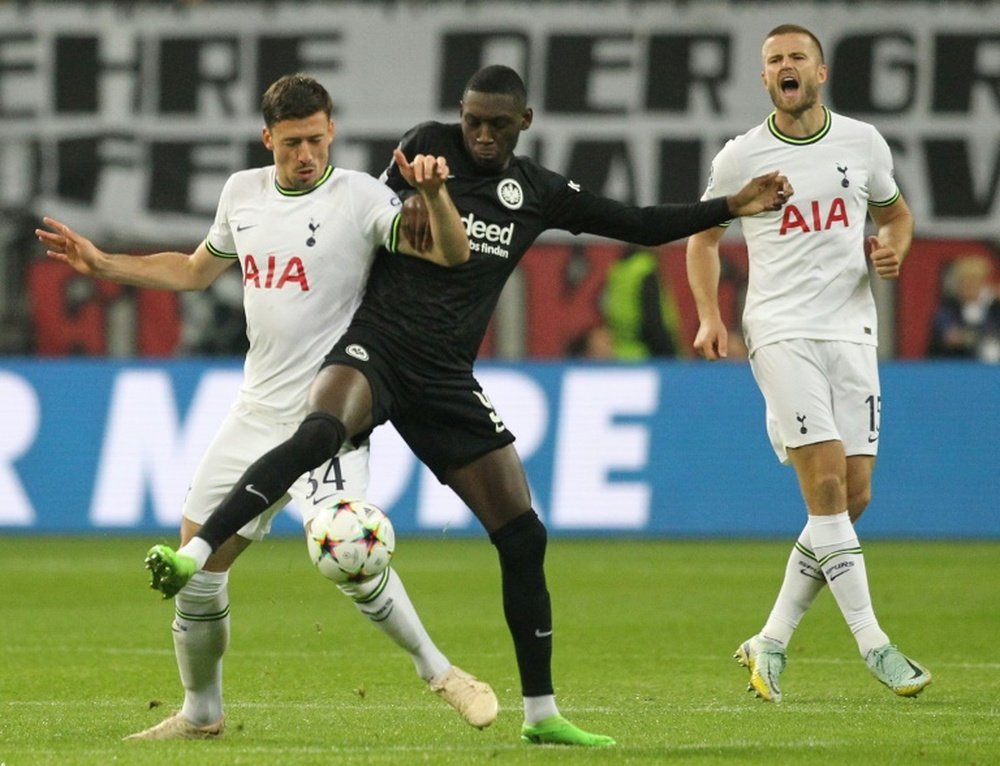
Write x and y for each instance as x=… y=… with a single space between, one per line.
x=128 y=118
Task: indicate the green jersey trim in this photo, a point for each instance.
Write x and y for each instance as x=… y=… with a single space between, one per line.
x=773 y=127
x=887 y=202
x=220 y=253
x=302 y=192
x=394 y=233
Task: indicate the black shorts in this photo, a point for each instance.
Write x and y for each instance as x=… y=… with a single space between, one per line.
x=442 y=414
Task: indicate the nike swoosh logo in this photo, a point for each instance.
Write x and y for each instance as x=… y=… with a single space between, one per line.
x=811 y=573
x=317 y=501
x=872 y=439
x=244 y=228
x=542 y=633
x=916 y=671
x=249 y=488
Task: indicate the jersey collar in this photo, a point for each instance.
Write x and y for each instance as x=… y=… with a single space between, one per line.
x=773 y=127
x=301 y=192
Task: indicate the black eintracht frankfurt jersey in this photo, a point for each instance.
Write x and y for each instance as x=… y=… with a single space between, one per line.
x=442 y=314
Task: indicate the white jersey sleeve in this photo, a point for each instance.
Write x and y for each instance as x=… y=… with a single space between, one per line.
x=882 y=188
x=220 y=240
x=724 y=177
x=378 y=209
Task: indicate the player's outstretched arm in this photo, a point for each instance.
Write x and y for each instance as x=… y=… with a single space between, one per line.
x=163 y=271
x=766 y=192
x=428 y=175
x=712 y=339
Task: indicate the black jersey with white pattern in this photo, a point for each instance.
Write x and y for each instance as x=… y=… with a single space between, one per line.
x=442 y=313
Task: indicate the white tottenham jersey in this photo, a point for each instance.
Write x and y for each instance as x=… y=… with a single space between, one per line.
x=305 y=258
x=808 y=270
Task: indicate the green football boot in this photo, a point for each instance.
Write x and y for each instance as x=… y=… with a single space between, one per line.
x=556 y=730
x=170 y=571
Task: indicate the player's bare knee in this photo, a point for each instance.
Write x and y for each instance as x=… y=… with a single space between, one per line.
x=827 y=494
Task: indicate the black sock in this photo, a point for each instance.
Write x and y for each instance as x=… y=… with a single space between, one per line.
x=265 y=482
x=521 y=546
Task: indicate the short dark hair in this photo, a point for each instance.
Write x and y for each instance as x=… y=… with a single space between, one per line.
x=795 y=29
x=294 y=97
x=498 y=79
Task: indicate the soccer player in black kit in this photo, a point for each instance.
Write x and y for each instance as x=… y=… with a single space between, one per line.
x=408 y=358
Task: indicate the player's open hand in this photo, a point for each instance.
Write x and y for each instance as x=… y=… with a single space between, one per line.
x=885 y=259
x=426 y=173
x=65 y=245
x=766 y=192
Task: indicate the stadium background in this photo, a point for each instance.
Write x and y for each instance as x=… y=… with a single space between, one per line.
x=125 y=119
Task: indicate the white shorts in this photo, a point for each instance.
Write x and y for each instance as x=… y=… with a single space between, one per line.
x=817 y=391
x=245 y=435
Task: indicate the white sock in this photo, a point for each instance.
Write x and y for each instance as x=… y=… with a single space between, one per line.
x=839 y=554
x=386 y=604
x=201 y=635
x=803 y=582
x=539 y=708
x=197 y=549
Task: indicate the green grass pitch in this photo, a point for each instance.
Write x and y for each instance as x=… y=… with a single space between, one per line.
x=644 y=636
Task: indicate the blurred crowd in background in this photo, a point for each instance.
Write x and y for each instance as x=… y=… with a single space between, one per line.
x=596 y=301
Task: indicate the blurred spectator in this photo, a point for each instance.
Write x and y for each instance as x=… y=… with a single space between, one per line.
x=639 y=309
x=967 y=320
x=596 y=342
x=17 y=228
x=214 y=322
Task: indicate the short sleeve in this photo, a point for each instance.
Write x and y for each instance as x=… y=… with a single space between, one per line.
x=220 y=240
x=723 y=178
x=379 y=211
x=882 y=187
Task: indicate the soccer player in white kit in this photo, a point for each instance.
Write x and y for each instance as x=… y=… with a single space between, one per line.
x=810 y=328
x=304 y=234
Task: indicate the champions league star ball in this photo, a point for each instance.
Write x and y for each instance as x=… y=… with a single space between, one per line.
x=350 y=541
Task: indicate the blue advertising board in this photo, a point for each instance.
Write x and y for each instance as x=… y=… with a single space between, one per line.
x=672 y=449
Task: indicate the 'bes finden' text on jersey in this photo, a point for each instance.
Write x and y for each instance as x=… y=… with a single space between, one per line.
x=808 y=270
x=305 y=256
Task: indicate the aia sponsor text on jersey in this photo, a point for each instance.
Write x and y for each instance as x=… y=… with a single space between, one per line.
x=290 y=274
x=813 y=217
